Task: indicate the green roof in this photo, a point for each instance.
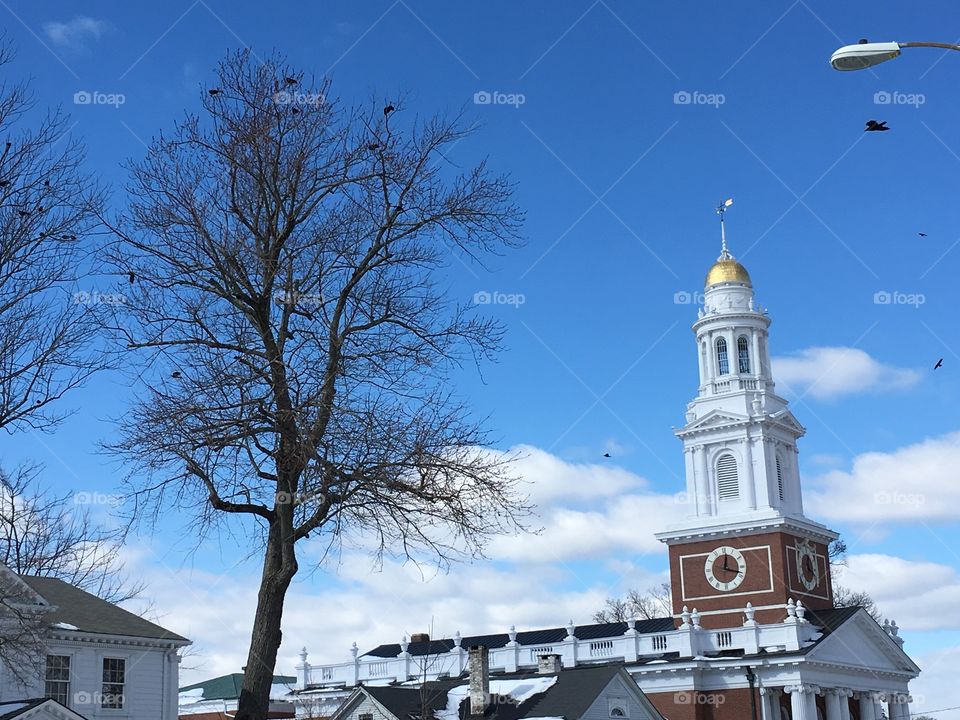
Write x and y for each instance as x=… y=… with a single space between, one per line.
x=227 y=687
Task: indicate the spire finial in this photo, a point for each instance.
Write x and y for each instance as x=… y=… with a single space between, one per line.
x=721 y=209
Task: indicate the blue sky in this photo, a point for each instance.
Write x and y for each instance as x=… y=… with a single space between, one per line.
x=619 y=178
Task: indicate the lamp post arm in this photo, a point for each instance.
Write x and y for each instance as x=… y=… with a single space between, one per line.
x=945 y=46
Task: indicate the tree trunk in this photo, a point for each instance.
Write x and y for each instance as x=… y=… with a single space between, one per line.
x=279 y=567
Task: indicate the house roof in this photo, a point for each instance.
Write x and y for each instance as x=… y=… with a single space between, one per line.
x=78 y=609
x=567 y=694
x=227 y=687
x=531 y=637
x=36 y=708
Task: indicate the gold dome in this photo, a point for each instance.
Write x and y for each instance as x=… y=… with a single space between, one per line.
x=727 y=270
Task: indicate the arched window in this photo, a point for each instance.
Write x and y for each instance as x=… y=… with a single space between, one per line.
x=723 y=365
x=779 y=478
x=743 y=354
x=617 y=712
x=728 y=485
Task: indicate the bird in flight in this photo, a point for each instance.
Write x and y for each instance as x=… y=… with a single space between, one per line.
x=606 y=454
x=874 y=126
x=939 y=364
x=922 y=234
x=213 y=91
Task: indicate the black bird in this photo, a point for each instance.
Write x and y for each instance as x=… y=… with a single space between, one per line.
x=606 y=454
x=214 y=91
x=874 y=126
x=939 y=363
x=922 y=234
x=4 y=183
x=23 y=213
x=175 y=374
x=295 y=111
x=290 y=81
x=46 y=183
x=372 y=146
x=132 y=276
x=388 y=109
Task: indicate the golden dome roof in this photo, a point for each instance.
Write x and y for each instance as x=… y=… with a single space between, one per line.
x=727 y=270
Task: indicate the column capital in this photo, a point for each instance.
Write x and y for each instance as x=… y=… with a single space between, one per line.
x=802 y=688
x=771 y=691
x=841 y=692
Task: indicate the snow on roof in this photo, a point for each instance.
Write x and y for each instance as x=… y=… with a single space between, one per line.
x=519 y=689
x=65 y=626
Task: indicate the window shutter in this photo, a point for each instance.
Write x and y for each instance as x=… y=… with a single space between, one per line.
x=728 y=485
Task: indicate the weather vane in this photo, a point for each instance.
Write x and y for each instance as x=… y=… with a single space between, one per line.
x=721 y=209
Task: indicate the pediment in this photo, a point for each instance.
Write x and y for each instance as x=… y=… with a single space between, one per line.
x=861 y=643
x=786 y=419
x=716 y=419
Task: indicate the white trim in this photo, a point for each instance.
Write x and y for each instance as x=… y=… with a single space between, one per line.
x=683 y=587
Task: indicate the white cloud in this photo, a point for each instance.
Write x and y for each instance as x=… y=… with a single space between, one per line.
x=919 y=595
x=827 y=373
x=74 y=34
x=935 y=689
x=915 y=482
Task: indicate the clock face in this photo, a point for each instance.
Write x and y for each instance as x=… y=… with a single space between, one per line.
x=808 y=571
x=725 y=568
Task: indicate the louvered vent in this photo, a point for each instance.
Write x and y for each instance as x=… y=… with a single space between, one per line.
x=780 y=479
x=728 y=487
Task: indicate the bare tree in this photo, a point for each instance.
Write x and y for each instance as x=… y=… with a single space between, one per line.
x=51 y=535
x=47 y=206
x=649 y=605
x=22 y=630
x=296 y=345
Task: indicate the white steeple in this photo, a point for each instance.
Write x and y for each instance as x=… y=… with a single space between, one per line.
x=740 y=438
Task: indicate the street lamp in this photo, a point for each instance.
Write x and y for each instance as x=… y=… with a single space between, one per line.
x=866 y=54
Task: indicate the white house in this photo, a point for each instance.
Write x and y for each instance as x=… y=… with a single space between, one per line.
x=101 y=661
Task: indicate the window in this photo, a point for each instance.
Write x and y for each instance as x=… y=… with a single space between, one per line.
x=57 y=679
x=617 y=707
x=743 y=354
x=728 y=485
x=365 y=716
x=114 y=676
x=779 y=478
x=723 y=366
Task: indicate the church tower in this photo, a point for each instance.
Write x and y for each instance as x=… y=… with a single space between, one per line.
x=745 y=538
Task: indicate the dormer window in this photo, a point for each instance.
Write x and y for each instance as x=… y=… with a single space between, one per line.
x=728 y=483
x=723 y=364
x=743 y=354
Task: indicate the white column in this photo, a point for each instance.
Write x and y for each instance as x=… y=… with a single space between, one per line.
x=751 y=489
x=845 y=694
x=703 y=481
x=868 y=708
x=769 y=703
x=832 y=702
x=803 y=702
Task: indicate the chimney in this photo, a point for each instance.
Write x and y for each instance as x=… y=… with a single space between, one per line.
x=549 y=664
x=479 y=665
x=420 y=637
